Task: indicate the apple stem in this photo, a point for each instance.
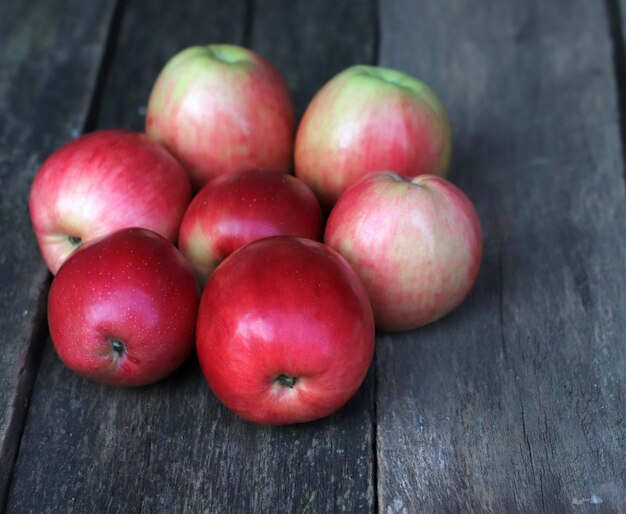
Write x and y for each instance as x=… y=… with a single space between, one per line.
x=117 y=346
x=286 y=381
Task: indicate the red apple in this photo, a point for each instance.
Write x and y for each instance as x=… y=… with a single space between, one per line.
x=285 y=331
x=122 y=309
x=235 y=209
x=366 y=119
x=415 y=243
x=100 y=183
x=222 y=109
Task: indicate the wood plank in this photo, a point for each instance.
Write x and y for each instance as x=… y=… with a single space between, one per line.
x=616 y=10
x=151 y=33
x=48 y=66
x=515 y=402
x=310 y=42
x=171 y=446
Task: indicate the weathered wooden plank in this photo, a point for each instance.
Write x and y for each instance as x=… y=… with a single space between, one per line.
x=48 y=65
x=310 y=42
x=616 y=10
x=151 y=33
x=171 y=446
x=515 y=402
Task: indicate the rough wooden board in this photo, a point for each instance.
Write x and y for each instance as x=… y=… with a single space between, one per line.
x=310 y=42
x=172 y=446
x=48 y=66
x=616 y=10
x=150 y=34
x=515 y=402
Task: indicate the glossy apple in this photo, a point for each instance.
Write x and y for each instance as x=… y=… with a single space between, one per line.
x=102 y=182
x=415 y=243
x=235 y=209
x=285 y=331
x=122 y=309
x=366 y=119
x=222 y=109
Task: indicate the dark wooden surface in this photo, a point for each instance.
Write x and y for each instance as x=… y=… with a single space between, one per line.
x=513 y=403
x=48 y=71
x=517 y=399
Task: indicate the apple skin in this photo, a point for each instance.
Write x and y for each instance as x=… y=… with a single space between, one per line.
x=366 y=119
x=235 y=209
x=122 y=309
x=285 y=331
x=222 y=109
x=415 y=243
x=100 y=183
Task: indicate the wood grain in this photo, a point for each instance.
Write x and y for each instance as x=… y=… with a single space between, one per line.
x=172 y=446
x=150 y=34
x=515 y=402
x=48 y=67
x=310 y=42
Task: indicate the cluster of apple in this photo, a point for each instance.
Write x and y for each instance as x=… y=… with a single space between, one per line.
x=278 y=280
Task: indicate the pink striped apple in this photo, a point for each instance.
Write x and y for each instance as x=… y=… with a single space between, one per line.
x=366 y=119
x=415 y=243
x=102 y=182
x=222 y=109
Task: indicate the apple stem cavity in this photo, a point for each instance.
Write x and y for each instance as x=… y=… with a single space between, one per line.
x=286 y=381
x=74 y=240
x=118 y=346
x=220 y=56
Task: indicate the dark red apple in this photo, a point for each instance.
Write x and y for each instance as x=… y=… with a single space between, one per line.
x=235 y=209
x=285 y=331
x=122 y=309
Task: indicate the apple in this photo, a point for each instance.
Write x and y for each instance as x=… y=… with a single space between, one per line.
x=222 y=109
x=102 y=182
x=235 y=209
x=416 y=244
x=285 y=331
x=369 y=118
x=122 y=309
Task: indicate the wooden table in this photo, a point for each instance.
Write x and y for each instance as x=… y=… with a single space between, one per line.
x=513 y=403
